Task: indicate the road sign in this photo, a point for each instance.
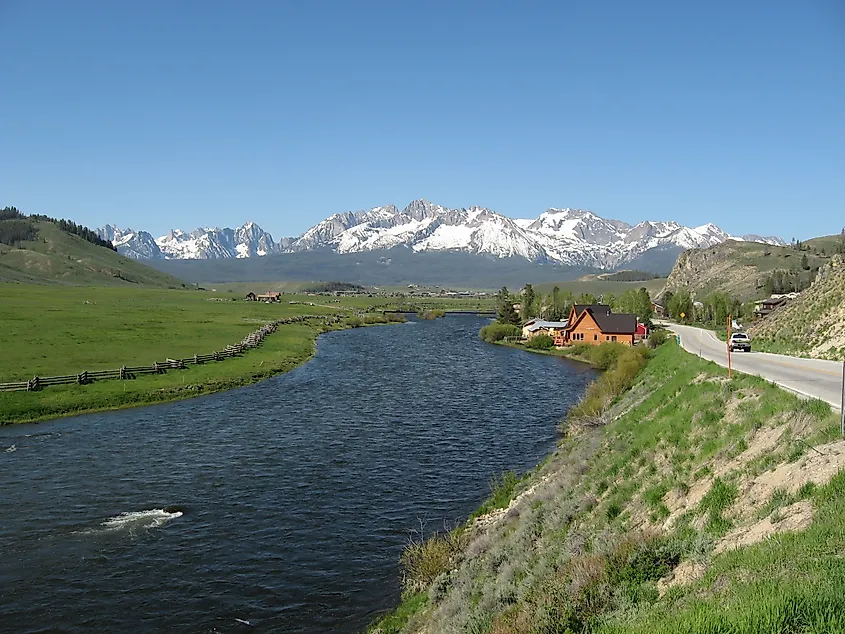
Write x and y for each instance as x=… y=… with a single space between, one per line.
x=683 y=315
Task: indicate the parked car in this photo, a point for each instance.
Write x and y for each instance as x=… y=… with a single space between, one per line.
x=740 y=341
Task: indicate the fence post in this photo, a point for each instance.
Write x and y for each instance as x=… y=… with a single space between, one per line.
x=122 y=372
x=155 y=366
x=216 y=356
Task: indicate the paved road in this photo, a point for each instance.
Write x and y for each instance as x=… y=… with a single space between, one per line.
x=810 y=377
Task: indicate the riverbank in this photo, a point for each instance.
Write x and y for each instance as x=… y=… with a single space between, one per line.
x=282 y=351
x=49 y=331
x=313 y=479
x=697 y=504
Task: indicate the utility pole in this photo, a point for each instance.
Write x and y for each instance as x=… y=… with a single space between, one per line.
x=728 y=344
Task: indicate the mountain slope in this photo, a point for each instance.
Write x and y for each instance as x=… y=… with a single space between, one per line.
x=741 y=269
x=813 y=323
x=54 y=256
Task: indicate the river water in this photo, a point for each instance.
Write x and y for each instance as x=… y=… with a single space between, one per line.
x=279 y=507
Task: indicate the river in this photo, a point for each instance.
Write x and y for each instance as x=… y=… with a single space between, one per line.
x=278 y=507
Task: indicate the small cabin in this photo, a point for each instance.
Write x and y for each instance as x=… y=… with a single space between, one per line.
x=269 y=297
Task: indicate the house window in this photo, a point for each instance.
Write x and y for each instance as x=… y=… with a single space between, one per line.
x=613 y=338
x=595 y=337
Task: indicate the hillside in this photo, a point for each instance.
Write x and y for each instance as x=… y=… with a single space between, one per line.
x=693 y=503
x=814 y=323
x=598 y=286
x=54 y=256
x=743 y=269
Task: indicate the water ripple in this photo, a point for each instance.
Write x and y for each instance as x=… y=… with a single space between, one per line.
x=298 y=493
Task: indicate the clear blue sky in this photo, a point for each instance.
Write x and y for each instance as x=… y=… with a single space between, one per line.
x=156 y=114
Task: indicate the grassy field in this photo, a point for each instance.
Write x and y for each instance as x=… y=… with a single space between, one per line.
x=60 y=330
x=50 y=331
x=696 y=504
x=597 y=287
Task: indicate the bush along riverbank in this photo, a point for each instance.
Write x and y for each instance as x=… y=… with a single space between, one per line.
x=677 y=501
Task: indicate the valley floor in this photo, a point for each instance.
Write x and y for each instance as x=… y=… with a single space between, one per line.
x=52 y=331
x=702 y=505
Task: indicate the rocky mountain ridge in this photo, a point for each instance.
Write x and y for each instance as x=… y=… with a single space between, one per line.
x=572 y=237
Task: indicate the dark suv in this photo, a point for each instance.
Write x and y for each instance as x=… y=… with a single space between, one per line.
x=740 y=341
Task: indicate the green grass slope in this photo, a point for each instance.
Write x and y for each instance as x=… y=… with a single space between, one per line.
x=597 y=285
x=701 y=505
x=58 y=257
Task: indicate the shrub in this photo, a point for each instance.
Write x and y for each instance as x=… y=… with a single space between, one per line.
x=606 y=355
x=431 y=313
x=657 y=338
x=375 y=319
x=626 y=364
x=496 y=332
x=423 y=561
x=354 y=322
x=540 y=342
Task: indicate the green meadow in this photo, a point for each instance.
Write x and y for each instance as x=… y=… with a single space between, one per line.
x=51 y=330
x=61 y=330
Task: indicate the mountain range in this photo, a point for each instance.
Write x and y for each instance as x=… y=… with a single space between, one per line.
x=571 y=237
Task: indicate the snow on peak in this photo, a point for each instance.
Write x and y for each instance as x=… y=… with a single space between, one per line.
x=564 y=235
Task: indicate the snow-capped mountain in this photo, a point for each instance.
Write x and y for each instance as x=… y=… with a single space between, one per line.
x=139 y=245
x=246 y=241
x=565 y=236
x=753 y=237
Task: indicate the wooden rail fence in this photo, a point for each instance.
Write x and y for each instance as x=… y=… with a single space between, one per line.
x=252 y=340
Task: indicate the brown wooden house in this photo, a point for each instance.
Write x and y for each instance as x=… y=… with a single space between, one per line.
x=595 y=324
x=269 y=296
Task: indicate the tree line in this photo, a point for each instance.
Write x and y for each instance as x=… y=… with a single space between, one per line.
x=17 y=227
x=557 y=305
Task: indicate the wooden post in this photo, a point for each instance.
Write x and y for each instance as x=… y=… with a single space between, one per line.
x=728 y=343
x=122 y=372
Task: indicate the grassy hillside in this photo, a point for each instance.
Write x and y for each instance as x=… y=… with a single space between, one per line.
x=702 y=505
x=597 y=285
x=54 y=256
x=742 y=269
x=814 y=323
